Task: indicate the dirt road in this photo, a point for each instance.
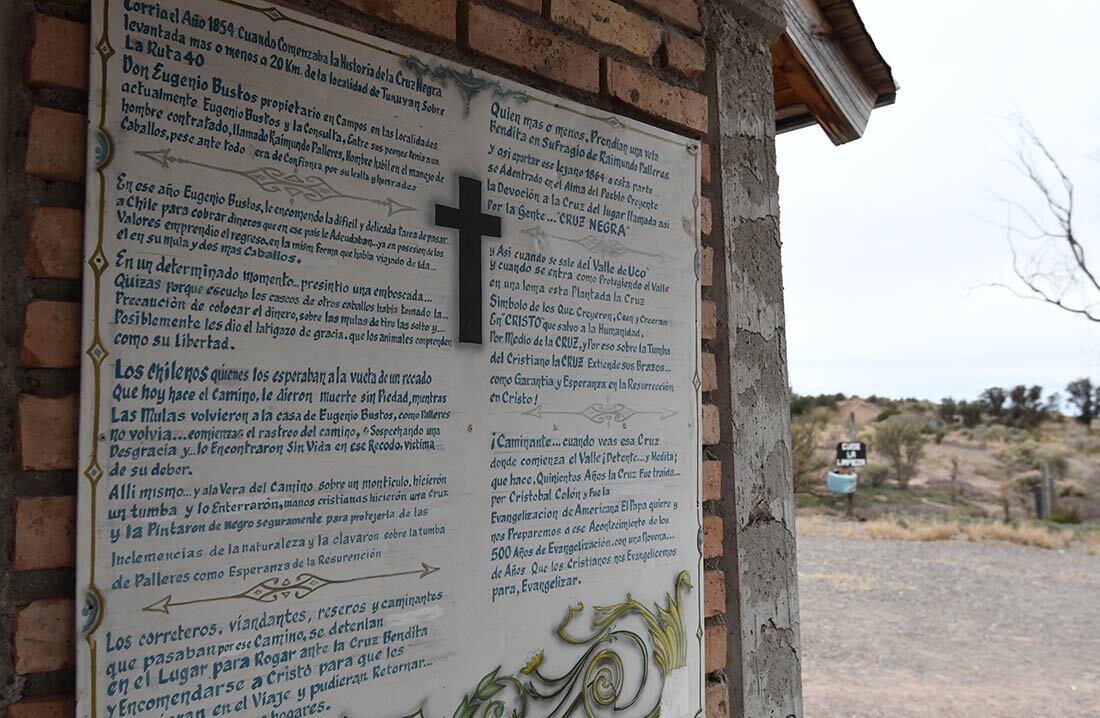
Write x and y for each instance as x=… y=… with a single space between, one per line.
x=893 y=629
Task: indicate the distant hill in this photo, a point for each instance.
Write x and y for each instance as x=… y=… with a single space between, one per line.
x=864 y=411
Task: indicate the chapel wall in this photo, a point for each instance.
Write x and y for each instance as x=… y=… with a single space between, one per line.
x=643 y=58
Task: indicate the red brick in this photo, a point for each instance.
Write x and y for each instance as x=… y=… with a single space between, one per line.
x=718 y=705
x=685 y=12
x=715 y=644
x=712 y=480
x=609 y=22
x=44 y=529
x=705 y=164
x=708 y=319
x=712 y=536
x=59 y=53
x=44 y=636
x=710 y=372
x=513 y=41
x=51 y=335
x=55 y=239
x=685 y=56
x=532 y=5
x=714 y=593
x=45 y=433
x=53 y=707
x=435 y=17
x=636 y=87
x=706 y=216
x=706 y=266
x=55 y=145
x=711 y=425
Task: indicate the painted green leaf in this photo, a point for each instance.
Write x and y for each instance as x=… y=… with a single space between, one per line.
x=466 y=708
x=597 y=676
x=489 y=685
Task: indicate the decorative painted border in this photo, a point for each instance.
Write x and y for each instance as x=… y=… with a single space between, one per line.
x=597 y=679
x=603 y=413
x=94 y=606
x=469 y=83
x=272 y=179
x=273 y=589
x=606 y=247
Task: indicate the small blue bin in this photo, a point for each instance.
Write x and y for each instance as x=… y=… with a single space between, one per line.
x=841 y=483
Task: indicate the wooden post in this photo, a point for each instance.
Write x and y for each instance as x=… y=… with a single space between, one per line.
x=1049 y=495
x=954 y=480
x=851 y=437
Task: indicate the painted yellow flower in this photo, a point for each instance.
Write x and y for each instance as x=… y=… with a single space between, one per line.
x=533 y=664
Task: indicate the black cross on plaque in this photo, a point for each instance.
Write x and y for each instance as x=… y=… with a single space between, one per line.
x=472 y=224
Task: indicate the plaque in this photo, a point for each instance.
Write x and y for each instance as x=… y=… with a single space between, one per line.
x=390 y=392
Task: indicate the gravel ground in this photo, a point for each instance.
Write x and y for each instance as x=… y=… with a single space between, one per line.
x=949 y=628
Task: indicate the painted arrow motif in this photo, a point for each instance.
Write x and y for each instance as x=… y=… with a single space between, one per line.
x=272 y=589
x=271 y=179
x=602 y=413
x=607 y=247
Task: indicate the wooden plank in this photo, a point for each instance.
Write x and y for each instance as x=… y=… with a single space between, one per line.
x=790 y=113
x=814 y=63
x=787 y=98
x=848 y=28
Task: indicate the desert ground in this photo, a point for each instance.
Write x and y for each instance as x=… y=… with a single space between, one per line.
x=901 y=629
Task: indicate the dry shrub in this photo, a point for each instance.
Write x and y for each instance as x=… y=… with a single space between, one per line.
x=891 y=528
x=1068 y=488
x=1087 y=445
x=815 y=525
x=888 y=529
x=1025 y=535
x=933 y=532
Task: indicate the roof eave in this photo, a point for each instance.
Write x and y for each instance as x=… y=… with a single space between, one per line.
x=828 y=70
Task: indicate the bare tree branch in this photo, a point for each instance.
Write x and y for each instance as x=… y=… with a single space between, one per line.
x=1056 y=271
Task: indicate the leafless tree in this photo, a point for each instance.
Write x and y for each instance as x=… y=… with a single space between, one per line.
x=805 y=437
x=1048 y=258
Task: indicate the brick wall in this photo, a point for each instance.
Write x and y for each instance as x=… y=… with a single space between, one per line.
x=43 y=49
x=644 y=58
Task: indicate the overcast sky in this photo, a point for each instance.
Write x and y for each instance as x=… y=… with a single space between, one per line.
x=889 y=240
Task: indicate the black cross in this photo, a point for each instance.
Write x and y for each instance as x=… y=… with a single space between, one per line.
x=472 y=224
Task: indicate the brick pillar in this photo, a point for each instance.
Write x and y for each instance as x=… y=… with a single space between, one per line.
x=763 y=666
x=44 y=55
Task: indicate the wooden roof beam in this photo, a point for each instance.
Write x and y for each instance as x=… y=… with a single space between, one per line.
x=830 y=87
